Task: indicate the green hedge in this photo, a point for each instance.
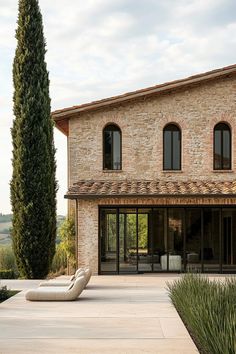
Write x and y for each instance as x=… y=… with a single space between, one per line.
x=7 y=274
x=208 y=308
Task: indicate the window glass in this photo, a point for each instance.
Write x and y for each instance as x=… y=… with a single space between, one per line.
x=176 y=150
x=112 y=148
x=217 y=149
x=226 y=149
x=108 y=240
x=222 y=147
x=167 y=150
x=116 y=150
x=172 y=148
x=108 y=142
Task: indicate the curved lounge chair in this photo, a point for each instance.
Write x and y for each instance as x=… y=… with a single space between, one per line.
x=77 y=273
x=88 y=274
x=57 y=293
x=57 y=282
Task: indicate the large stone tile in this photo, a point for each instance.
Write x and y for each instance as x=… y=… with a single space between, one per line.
x=81 y=328
x=78 y=309
x=173 y=328
x=94 y=346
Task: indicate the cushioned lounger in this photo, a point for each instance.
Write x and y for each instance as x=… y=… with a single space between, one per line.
x=74 y=276
x=57 y=293
x=58 y=282
x=88 y=274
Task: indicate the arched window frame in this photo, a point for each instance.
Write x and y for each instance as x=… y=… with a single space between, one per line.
x=171 y=127
x=112 y=127
x=221 y=127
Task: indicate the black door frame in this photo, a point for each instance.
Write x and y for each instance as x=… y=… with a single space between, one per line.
x=167 y=207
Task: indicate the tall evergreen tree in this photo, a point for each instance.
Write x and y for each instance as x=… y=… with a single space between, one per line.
x=33 y=184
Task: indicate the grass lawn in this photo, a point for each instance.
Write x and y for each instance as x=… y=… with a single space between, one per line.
x=208 y=309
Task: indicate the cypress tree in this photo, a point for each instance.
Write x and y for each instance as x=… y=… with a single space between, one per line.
x=33 y=184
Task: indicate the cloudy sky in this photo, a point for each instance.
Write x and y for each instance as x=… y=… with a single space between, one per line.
x=100 y=48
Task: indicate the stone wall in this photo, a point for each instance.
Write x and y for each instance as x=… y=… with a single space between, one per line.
x=196 y=110
x=88 y=234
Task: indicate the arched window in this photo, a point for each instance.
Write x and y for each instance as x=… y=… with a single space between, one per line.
x=222 y=147
x=171 y=147
x=112 y=147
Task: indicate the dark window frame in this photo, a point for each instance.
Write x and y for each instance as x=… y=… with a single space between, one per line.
x=203 y=208
x=114 y=128
x=172 y=127
x=222 y=126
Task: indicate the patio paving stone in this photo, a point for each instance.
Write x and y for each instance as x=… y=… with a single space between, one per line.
x=114 y=314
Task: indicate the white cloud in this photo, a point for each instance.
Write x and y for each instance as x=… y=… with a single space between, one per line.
x=99 y=48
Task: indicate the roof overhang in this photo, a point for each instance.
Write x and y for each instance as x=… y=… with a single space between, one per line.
x=62 y=116
x=99 y=196
x=151 y=189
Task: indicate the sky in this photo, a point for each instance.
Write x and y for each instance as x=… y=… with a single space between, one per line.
x=101 y=48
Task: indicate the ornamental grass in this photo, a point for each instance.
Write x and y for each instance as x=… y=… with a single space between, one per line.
x=208 y=309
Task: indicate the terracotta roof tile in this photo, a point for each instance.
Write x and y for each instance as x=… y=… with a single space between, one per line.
x=150 y=188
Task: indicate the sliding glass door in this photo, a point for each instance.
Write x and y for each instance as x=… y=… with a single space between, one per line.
x=128 y=239
x=194 y=224
x=145 y=254
x=229 y=240
x=159 y=237
x=175 y=255
x=211 y=250
x=109 y=237
x=167 y=239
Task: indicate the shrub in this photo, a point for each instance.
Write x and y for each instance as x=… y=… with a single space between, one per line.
x=208 y=309
x=3 y=293
x=7 y=260
x=7 y=274
x=64 y=257
x=59 y=262
x=67 y=240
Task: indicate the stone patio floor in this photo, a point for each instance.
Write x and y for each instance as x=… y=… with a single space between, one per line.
x=114 y=314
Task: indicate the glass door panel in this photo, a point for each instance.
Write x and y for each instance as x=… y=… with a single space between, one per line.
x=108 y=234
x=173 y=261
x=158 y=230
x=211 y=240
x=144 y=241
x=128 y=257
x=229 y=240
x=193 y=239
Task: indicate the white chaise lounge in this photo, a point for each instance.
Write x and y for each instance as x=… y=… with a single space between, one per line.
x=88 y=274
x=81 y=271
x=57 y=293
x=63 y=282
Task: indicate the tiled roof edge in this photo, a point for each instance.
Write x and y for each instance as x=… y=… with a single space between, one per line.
x=209 y=75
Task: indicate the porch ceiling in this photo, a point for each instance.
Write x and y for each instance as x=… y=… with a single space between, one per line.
x=102 y=188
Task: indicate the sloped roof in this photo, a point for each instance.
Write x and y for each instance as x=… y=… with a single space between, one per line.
x=92 y=188
x=66 y=113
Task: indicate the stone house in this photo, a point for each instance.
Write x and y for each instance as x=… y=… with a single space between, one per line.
x=151 y=177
